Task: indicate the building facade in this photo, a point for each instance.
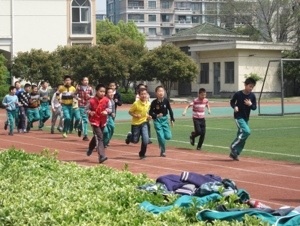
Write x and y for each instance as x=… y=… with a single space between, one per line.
x=29 y=24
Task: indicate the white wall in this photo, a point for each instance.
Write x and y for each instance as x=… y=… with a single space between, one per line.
x=39 y=24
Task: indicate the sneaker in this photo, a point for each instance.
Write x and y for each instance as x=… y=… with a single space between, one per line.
x=142 y=157
x=31 y=125
x=85 y=138
x=10 y=133
x=150 y=141
x=163 y=155
x=79 y=133
x=40 y=129
x=65 y=135
x=24 y=131
x=233 y=154
x=102 y=159
x=59 y=129
x=127 y=140
x=52 y=131
x=5 y=125
x=89 y=152
x=192 y=140
x=199 y=148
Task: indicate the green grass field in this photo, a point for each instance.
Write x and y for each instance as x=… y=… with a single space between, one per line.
x=272 y=137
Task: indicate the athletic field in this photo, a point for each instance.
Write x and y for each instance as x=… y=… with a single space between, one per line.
x=272 y=137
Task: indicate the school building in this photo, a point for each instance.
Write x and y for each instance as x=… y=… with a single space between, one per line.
x=224 y=59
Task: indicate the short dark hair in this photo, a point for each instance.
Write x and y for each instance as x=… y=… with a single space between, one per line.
x=141 y=90
x=27 y=85
x=202 y=90
x=158 y=87
x=107 y=89
x=33 y=86
x=16 y=82
x=43 y=82
x=66 y=77
x=83 y=77
x=99 y=86
x=11 y=88
x=250 y=81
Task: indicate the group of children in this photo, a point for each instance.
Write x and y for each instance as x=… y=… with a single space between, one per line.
x=82 y=105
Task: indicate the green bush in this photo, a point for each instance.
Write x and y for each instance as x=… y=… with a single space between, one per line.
x=128 y=98
x=3 y=92
x=40 y=190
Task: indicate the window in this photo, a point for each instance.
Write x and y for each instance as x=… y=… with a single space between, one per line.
x=165 y=31
x=152 y=18
x=152 y=31
x=165 y=4
x=204 y=73
x=81 y=17
x=165 y=18
x=229 y=72
x=152 y=4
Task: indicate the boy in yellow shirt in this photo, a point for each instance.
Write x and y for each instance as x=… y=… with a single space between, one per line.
x=139 y=126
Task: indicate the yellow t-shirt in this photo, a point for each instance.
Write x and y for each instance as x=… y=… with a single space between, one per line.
x=139 y=108
x=67 y=94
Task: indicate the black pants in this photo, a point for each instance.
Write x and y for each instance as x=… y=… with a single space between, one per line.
x=200 y=130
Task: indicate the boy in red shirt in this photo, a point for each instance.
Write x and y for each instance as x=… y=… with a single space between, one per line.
x=97 y=110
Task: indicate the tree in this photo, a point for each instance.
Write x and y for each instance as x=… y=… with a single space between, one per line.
x=101 y=63
x=291 y=70
x=274 y=20
x=3 y=69
x=108 y=33
x=132 y=51
x=37 y=65
x=168 y=65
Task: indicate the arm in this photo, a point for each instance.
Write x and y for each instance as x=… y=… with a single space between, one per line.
x=187 y=107
x=4 y=101
x=208 y=108
x=170 y=112
x=132 y=111
x=151 y=111
x=233 y=102
x=118 y=99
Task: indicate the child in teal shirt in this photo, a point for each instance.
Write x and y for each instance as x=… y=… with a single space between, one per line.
x=10 y=102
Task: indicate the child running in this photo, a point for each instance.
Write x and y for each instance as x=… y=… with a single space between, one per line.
x=97 y=109
x=84 y=92
x=10 y=102
x=117 y=96
x=198 y=105
x=242 y=102
x=24 y=97
x=139 y=123
x=66 y=94
x=56 y=112
x=159 y=109
x=110 y=125
x=44 y=107
x=33 y=112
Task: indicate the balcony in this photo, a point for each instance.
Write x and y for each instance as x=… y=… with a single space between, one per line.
x=167 y=24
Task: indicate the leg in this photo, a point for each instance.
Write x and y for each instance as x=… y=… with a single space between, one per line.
x=145 y=139
x=202 y=133
x=197 y=130
x=67 y=112
x=149 y=131
x=17 y=118
x=11 y=121
x=55 y=115
x=30 y=117
x=160 y=135
x=100 y=146
x=106 y=135
x=243 y=133
x=84 y=121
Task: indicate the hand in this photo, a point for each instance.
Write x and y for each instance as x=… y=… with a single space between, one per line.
x=149 y=117
x=92 y=113
x=172 y=123
x=116 y=100
x=104 y=112
x=160 y=115
x=209 y=112
x=53 y=109
x=113 y=115
x=236 y=109
x=247 y=102
x=183 y=114
x=137 y=115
